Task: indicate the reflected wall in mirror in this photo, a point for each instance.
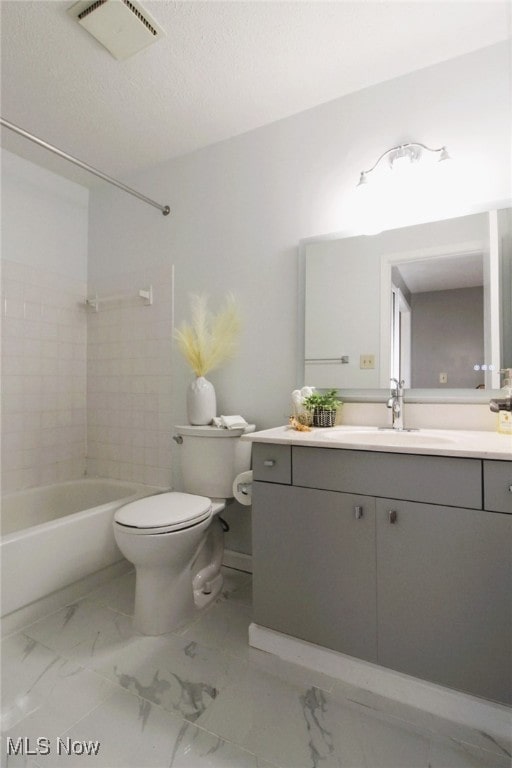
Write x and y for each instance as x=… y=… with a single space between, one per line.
x=429 y=304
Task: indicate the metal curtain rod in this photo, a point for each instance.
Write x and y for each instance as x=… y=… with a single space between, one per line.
x=164 y=208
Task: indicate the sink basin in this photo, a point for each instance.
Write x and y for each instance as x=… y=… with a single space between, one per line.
x=388 y=437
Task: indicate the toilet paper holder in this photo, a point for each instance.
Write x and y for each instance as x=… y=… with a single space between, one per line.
x=242 y=488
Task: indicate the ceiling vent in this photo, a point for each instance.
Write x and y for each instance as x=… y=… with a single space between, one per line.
x=124 y=27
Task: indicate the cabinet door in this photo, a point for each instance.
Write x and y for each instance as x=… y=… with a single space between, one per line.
x=498 y=486
x=444 y=584
x=314 y=566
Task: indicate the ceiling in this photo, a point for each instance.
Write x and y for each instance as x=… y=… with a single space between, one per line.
x=443 y=274
x=223 y=68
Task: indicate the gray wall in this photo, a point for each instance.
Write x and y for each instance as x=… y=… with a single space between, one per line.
x=447 y=336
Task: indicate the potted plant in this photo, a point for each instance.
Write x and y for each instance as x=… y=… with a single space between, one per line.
x=323 y=407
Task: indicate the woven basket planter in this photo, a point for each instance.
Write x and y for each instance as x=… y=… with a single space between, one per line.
x=324 y=418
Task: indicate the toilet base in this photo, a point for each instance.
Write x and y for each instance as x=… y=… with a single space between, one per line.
x=163 y=601
x=203 y=598
x=207 y=582
x=158 y=614
x=164 y=598
x=178 y=573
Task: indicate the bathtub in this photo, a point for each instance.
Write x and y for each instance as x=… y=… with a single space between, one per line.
x=56 y=535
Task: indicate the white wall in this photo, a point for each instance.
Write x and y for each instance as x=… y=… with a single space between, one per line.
x=44 y=267
x=239 y=208
x=505 y=240
x=44 y=218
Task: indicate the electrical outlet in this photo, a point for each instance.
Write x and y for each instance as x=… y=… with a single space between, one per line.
x=443 y=378
x=367 y=361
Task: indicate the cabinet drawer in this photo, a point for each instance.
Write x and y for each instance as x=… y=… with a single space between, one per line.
x=498 y=486
x=272 y=463
x=433 y=479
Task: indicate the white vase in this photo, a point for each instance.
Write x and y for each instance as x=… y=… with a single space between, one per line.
x=201 y=401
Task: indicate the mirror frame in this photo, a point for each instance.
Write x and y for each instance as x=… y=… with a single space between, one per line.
x=467 y=396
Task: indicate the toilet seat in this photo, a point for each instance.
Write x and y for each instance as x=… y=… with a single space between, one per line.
x=163 y=513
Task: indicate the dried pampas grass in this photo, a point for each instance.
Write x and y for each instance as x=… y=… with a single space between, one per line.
x=208 y=339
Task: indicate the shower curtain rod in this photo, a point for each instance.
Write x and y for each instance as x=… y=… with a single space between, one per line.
x=164 y=208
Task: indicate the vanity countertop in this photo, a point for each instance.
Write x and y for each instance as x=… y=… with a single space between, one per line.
x=440 y=442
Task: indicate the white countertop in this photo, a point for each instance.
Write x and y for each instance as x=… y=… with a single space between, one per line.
x=439 y=442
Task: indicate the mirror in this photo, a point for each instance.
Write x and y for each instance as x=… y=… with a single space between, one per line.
x=429 y=304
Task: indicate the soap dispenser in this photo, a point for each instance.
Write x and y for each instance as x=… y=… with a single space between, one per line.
x=503 y=405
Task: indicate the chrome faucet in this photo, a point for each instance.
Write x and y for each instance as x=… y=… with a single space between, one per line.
x=396 y=403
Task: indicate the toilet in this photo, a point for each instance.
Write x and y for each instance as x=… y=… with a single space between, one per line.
x=176 y=540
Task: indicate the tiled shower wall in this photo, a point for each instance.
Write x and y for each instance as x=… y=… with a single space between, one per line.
x=78 y=383
x=82 y=392
x=129 y=419
x=43 y=376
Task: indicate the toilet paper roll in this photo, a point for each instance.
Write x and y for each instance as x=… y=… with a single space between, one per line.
x=242 y=488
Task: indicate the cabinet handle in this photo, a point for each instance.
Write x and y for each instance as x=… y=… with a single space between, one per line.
x=510 y=488
x=269 y=463
x=392 y=516
x=358 y=512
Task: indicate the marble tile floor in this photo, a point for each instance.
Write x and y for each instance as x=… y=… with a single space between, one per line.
x=98 y=695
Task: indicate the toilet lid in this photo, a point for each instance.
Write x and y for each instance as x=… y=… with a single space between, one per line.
x=164 y=512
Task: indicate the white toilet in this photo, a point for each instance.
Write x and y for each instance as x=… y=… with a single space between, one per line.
x=176 y=540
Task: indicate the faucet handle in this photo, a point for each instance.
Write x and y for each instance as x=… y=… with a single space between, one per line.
x=396 y=384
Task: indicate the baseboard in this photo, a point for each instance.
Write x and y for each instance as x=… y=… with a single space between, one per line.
x=21 y=618
x=238 y=560
x=486 y=716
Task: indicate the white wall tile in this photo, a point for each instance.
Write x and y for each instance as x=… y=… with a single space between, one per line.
x=128 y=379
x=43 y=381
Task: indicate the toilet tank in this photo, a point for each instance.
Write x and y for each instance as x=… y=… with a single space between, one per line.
x=211 y=458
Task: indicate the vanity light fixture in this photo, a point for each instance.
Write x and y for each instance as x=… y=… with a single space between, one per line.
x=406 y=155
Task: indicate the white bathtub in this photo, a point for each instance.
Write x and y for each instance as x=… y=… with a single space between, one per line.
x=55 y=535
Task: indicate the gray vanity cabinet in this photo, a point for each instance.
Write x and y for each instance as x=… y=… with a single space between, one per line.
x=443 y=594
x=356 y=551
x=315 y=566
